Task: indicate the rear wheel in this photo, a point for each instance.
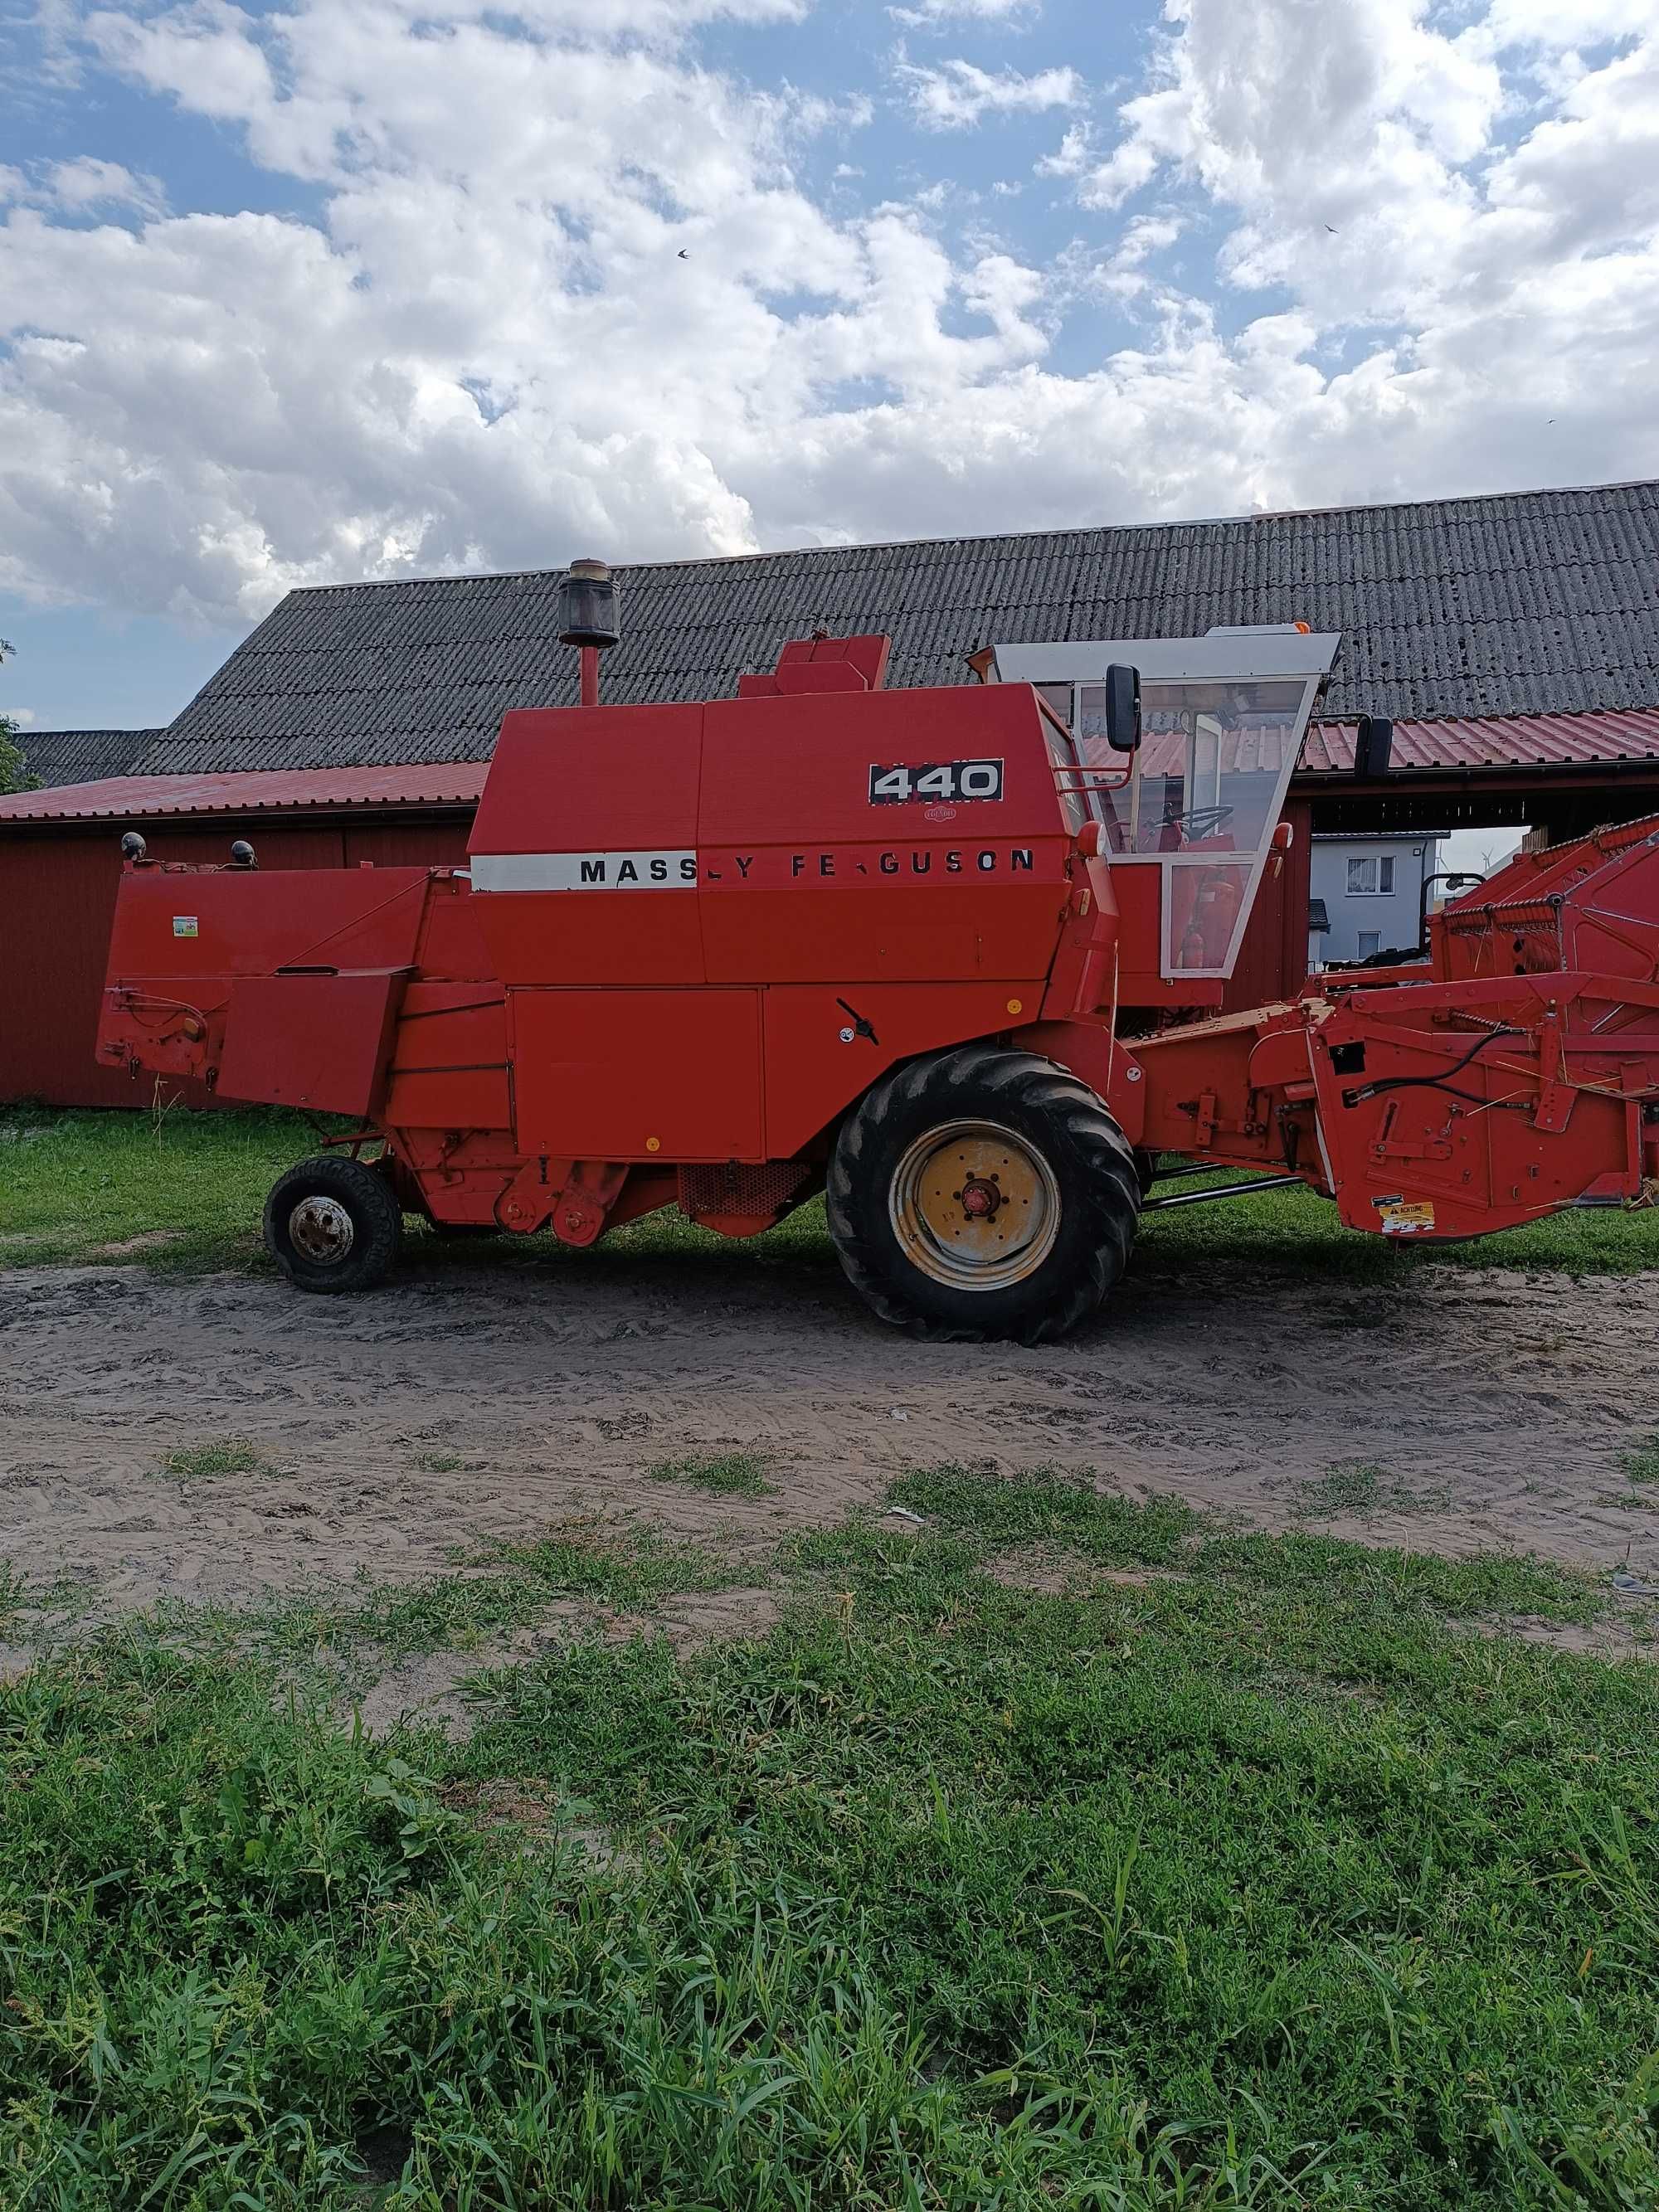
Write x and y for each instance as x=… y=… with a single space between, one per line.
x=333 y=1224
x=983 y=1193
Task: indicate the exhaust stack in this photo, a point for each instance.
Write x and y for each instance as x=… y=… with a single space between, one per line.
x=589 y=618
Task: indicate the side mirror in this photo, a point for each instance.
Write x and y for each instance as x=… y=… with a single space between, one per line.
x=1123 y=708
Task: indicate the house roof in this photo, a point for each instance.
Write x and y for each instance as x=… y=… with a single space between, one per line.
x=1519 y=604
x=58 y=757
x=1507 y=741
x=148 y=797
x=1503 y=743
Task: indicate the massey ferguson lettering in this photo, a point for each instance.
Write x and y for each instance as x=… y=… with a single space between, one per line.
x=1013 y=860
x=584 y=872
x=684 y=871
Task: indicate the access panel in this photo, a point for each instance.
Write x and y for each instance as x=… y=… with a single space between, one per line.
x=637 y=1075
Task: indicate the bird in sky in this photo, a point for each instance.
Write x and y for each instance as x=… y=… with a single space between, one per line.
x=1331 y=226
x=684 y=255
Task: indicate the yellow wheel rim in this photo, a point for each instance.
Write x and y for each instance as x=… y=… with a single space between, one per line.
x=974 y=1206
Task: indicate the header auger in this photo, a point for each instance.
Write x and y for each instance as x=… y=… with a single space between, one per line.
x=952 y=956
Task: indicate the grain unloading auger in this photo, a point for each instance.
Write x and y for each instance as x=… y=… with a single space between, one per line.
x=952 y=955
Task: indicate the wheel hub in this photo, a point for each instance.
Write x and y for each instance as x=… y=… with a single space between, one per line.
x=321 y=1229
x=974 y=1206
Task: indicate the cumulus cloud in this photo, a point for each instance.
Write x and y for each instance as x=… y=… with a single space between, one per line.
x=929 y=14
x=1346 y=253
x=88 y=183
x=954 y=95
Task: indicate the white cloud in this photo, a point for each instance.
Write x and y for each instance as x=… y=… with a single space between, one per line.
x=930 y=14
x=87 y=182
x=486 y=351
x=954 y=95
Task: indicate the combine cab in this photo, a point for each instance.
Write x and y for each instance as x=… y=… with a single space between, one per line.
x=952 y=956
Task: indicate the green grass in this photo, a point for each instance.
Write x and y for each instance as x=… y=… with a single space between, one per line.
x=494 y=1588
x=1256 y=1884
x=219 y=1455
x=72 y=1182
x=726 y=1474
x=1356 y=1490
x=194 y=1186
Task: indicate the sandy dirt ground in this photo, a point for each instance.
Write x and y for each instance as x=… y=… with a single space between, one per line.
x=1498 y=1405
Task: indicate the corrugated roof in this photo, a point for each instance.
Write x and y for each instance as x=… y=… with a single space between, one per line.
x=1525 y=741
x=1531 y=603
x=1537 y=741
x=59 y=756
x=145 y=798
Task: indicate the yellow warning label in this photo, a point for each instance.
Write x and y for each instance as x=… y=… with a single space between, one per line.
x=1405 y=1217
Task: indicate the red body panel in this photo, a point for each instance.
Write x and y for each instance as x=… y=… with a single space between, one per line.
x=691 y=937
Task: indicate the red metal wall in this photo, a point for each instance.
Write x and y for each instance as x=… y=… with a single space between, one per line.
x=1273 y=961
x=58 y=899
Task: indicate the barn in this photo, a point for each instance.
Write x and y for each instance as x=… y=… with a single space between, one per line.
x=1513 y=640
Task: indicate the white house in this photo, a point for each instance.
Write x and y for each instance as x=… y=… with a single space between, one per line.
x=1371 y=889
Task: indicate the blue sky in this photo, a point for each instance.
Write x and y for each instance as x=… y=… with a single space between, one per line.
x=316 y=288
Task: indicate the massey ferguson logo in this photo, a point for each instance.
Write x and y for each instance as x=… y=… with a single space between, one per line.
x=685 y=871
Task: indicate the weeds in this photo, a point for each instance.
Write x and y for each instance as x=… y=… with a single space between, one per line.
x=725 y=1474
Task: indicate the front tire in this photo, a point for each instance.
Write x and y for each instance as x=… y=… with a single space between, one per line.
x=983 y=1193
x=333 y=1224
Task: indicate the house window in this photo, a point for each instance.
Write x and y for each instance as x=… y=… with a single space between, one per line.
x=1371 y=877
x=1371 y=941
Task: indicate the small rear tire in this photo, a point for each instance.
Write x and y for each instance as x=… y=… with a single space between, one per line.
x=983 y=1193
x=333 y=1224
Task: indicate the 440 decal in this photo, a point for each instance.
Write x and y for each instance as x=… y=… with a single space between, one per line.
x=951 y=782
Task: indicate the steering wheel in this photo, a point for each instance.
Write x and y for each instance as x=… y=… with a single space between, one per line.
x=1199 y=822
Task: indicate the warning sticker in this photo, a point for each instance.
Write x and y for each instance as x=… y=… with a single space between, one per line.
x=1405 y=1217
x=184 y=925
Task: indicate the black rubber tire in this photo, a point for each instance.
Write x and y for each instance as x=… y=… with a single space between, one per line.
x=377 y=1223
x=1090 y=1160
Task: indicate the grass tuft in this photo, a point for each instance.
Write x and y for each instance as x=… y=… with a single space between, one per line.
x=218 y=1455
x=1355 y=1491
x=725 y=1474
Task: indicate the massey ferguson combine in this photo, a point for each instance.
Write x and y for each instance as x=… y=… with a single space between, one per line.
x=953 y=955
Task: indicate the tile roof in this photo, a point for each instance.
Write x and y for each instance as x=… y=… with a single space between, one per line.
x=58 y=756
x=1524 y=604
x=1510 y=742
x=1507 y=741
x=145 y=798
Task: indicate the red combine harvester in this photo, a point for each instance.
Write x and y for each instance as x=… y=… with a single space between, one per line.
x=953 y=955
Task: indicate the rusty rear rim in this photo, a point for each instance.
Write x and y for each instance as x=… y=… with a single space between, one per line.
x=974 y=1205
x=321 y=1230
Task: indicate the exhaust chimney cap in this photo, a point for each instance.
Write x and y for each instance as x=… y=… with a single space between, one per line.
x=588 y=612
